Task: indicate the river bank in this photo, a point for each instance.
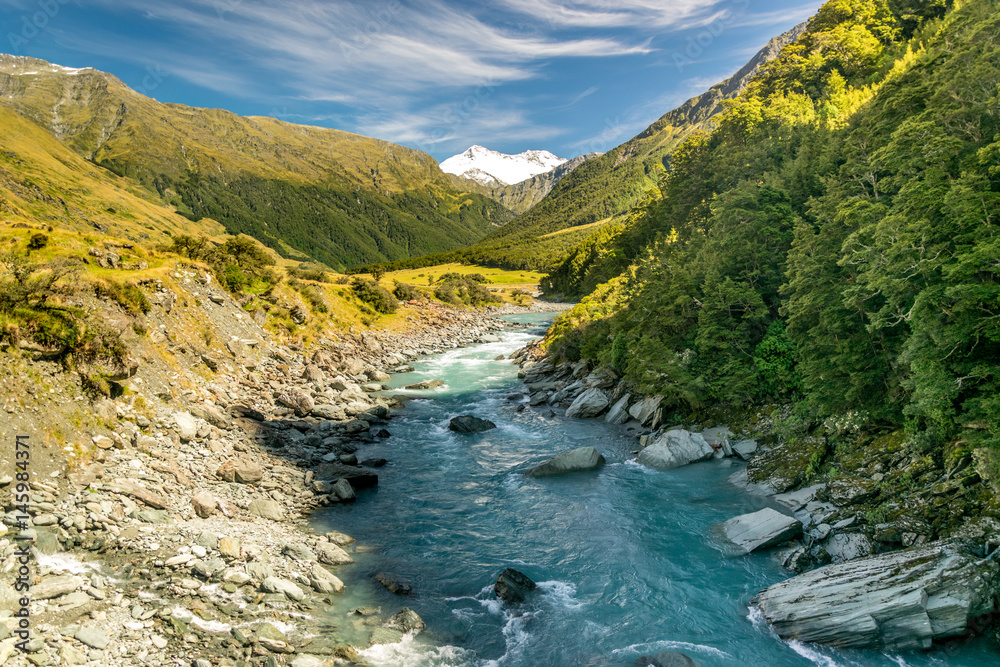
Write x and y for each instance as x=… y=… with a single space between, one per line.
x=170 y=523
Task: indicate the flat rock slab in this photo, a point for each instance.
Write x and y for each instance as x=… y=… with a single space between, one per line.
x=590 y=403
x=759 y=530
x=128 y=488
x=676 y=448
x=576 y=460
x=358 y=478
x=897 y=601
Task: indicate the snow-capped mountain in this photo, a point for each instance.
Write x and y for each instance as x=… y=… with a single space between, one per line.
x=493 y=168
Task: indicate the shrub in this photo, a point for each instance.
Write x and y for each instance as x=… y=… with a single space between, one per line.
x=127 y=295
x=37 y=242
x=375 y=295
x=407 y=292
x=305 y=271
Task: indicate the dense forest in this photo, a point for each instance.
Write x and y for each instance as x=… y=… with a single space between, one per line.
x=833 y=243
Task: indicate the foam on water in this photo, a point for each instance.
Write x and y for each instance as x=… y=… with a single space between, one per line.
x=65 y=563
x=411 y=653
x=670 y=645
x=560 y=594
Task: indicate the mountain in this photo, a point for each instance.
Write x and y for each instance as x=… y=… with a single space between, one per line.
x=492 y=168
x=608 y=187
x=337 y=197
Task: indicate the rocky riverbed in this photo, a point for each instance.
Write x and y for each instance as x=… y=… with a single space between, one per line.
x=864 y=579
x=177 y=532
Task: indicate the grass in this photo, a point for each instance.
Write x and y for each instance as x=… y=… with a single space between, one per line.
x=496 y=277
x=579 y=228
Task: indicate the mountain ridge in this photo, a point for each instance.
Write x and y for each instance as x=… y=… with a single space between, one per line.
x=492 y=168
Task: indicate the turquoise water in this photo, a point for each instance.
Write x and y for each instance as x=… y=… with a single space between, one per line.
x=623 y=556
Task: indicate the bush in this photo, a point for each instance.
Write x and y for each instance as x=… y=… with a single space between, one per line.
x=239 y=264
x=375 y=295
x=37 y=242
x=307 y=271
x=407 y=292
x=127 y=295
x=312 y=294
x=458 y=289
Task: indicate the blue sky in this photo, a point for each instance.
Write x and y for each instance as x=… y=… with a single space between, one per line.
x=569 y=76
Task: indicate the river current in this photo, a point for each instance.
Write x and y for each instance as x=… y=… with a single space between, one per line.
x=624 y=556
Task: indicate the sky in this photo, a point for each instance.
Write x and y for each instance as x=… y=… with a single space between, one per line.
x=568 y=76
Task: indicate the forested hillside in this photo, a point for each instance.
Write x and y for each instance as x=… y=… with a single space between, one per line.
x=832 y=244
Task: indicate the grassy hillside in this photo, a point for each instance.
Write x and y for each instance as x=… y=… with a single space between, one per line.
x=340 y=198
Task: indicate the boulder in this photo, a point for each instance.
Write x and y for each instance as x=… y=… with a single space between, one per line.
x=394 y=583
x=666 y=659
x=759 y=530
x=676 y=448
x=576 y=460
x=745 y=449
x=298 y=400
x=331 y=554
x=323 y=581
x=267 y=509
x=513 y=587
x=130 y=488
x=187 y=426
x=470 y=424
x=618 y=413
x=590 y=403
x=358 y=478
x=425 y=384
x=244 y=471
x=204 y=504
x=897 y=601
x=329 y=412
x=851 y=489
x=848 y=546
x=406 y=620
x=342 y=491
x=53 y=587
x=644 y=410
x=290 y=590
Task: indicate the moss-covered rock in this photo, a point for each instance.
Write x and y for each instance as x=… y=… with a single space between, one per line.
x=789 y=465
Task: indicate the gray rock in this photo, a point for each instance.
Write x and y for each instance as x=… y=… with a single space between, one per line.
x=298 y=400
x=93 y=638
x=53 y=587
x=155 y=516
x=759 y=530
x=331 y=554
x=850 y=489
x=323 y=581
x=425 y=384
x=470 y=424
x=385 y=636
x=745 y=449
x=644 y=410
x=342 y=491
x=897 y=601
x=290 y=590
x=329 y=411
x=848 y=546
x=187 y=426
x=267 y=509
x=618 y=413
x=676 y=448
x=204 y=504
x=576 y=460
x=207 y=539
x=666 y=659
x=513 y=587
x=394 y=583
x=298 y=552
x=406 y=620
x=591 y=403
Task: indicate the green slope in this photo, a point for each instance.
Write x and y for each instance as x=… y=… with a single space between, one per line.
x=336 y=196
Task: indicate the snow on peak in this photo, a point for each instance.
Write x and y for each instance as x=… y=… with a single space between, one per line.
x=489 y=167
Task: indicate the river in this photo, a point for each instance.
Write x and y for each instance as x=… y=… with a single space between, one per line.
x=624 y=556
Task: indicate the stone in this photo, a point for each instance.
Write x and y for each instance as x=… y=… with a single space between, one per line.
x=204 y=504
x=385 y=636
x=666 y=659
x=394 y=583
x=643 y=411
x=290 y=590
x=470 y=424
x=53 y=587
x=513 y=587
x=676 y=448
x=129 y=488
x=576 y=460
x=93 y=638
x=298 y=400
x=323 y=581
x=745 y=449
x=103 y=442
x=618 y=413
x=187 y=426
x=267 y=509
x=155 y=516
x=358 y=478
x=759 y=530
x=230 y=547
x=68 y=656
x=298 y=552
x=243 y=471
x=851 y=489
x=848 y=546
x=406 y=620
x=591 y=403
x=425 y=384
x=897 y=601
x=331 y=554
x=342 y=491
x=340 y=539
